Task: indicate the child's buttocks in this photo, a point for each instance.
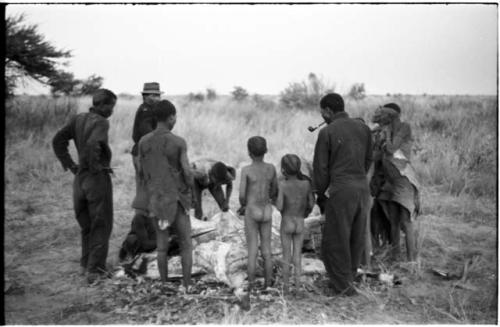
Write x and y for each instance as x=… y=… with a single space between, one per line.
x=259 y=213
x=292 y=224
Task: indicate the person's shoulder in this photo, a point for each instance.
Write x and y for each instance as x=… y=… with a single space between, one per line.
x=146 y=138
x=244 y=169
x=270 y=167
x=96 y=119
x=325 y=131
x=179 y=140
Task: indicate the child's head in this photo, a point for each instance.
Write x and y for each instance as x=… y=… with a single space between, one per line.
x=257 y=146
x=290 y=165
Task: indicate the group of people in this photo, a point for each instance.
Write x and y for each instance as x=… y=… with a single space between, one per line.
x=168 y=185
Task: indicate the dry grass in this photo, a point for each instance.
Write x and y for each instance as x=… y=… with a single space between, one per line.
x=455 y=157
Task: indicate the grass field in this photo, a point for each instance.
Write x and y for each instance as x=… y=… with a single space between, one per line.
x=455 y=155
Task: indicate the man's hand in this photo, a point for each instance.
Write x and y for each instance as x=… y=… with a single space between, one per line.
x=225 y=207
x=321 y=201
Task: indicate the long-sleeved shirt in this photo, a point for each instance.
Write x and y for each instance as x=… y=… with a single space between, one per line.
x=89 y=131
x=342 y=155
x=144 y=123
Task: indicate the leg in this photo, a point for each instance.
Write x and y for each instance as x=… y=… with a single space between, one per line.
x=80 y=206
x=286 y=243
x=99 y=192
x=394 y=218
x=252 y=244
x=162 y=246
x=358 y=231
x=265 y=229
x=368 y=237
x=183 y=230
x=335 y=246
x=407 y=227
x=298 y=239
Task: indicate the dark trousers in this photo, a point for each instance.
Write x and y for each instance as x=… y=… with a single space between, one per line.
x=344 y=234
x=93 y=205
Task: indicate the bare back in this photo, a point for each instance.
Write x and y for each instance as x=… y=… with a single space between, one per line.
x=295 y=198
x=258 y=188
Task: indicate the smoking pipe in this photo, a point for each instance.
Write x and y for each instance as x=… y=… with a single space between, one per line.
x=312 y=129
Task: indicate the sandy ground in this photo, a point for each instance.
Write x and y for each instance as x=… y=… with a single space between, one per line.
x=43 y=285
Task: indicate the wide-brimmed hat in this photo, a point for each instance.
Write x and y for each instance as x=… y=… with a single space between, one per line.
x=151 y=88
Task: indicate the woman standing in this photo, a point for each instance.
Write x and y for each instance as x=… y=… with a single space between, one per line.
x=398 y=194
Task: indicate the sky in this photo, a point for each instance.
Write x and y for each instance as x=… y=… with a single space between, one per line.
x=391 y=48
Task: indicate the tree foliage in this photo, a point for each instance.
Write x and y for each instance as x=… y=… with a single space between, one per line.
x=28 y=54
x=357 y=91
x=239 y=93
x=62 y=83
x=90 y=85
x=305 y=94
x=211 y=94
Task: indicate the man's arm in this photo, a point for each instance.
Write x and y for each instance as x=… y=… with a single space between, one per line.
x=398 y=138
x=274 y=186
x=280 y=202
x=218 y=195
x=310 y=201
x=243 y=188
x=369 y=151
x=321 y=173
x=229 y=191
x=97 y=143
x=147 y=125
x=142 y=125
x=60 y=144
x=186 y=169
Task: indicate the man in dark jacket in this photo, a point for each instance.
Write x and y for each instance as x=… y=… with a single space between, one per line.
x=92 y=188
x=342 y=157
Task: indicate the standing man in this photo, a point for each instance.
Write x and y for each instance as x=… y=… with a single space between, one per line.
x=92 y=188
x=210 y=174
x=144 y=123
x=342 y=157
x=165 y=184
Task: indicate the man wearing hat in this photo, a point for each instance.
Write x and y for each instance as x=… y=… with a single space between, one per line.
x=145 y=121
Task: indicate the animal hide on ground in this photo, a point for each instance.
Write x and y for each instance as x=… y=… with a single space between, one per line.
x=220 y=252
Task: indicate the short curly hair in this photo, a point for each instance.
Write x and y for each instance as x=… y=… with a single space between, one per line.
x=333 y=101
x=102 y=97
x=257 y=146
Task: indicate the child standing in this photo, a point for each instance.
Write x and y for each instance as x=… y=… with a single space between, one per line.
x=295 y=202
x=258 y=190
